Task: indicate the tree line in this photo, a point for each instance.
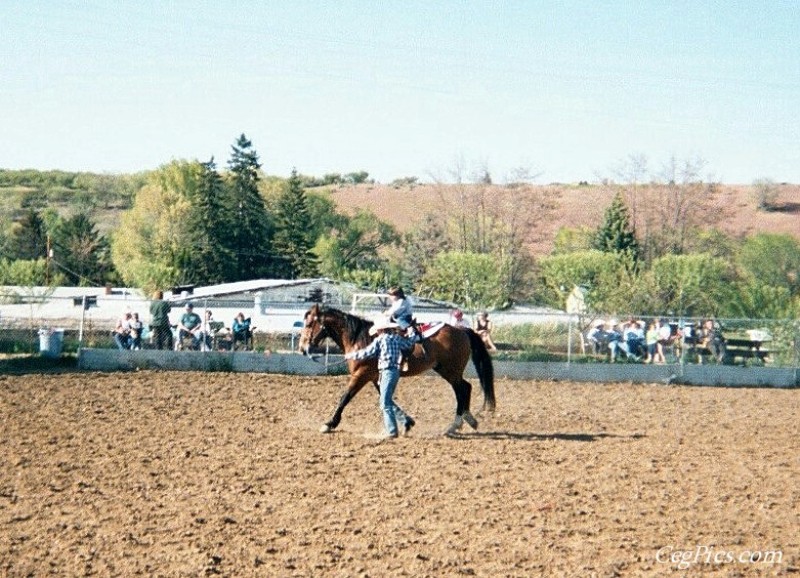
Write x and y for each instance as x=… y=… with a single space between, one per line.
x=192 y=222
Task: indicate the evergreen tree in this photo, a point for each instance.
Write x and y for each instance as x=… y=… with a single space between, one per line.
x=210 y=227
x=28 y=239
x=252 y=230
x=615 y=235
x=80 y=252
x=292 y=241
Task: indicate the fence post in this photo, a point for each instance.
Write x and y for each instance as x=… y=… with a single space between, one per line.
x=569 y=340
x=83 y=317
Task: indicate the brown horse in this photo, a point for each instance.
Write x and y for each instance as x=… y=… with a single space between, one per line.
x=447 y=353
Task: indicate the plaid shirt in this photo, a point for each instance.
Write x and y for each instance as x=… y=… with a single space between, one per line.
x=388 y=348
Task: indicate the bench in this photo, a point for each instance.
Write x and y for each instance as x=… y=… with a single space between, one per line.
x=737 y=348
x=745 y=349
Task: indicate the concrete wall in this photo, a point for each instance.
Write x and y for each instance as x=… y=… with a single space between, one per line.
x=239 y=361
x=715 y=375
x=294 y=364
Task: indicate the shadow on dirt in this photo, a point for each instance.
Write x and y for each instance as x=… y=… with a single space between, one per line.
x=569 y=437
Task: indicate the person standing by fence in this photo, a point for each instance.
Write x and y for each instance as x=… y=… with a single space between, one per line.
x=159 y=321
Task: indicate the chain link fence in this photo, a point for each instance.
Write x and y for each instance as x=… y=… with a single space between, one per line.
x=26 y=321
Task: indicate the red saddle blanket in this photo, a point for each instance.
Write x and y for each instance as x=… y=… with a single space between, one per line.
x=430 y=329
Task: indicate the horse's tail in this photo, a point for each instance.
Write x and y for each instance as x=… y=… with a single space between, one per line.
x=484 y=367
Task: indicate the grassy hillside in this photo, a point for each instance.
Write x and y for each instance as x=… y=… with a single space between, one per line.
x=104 y=197
x=731 y=209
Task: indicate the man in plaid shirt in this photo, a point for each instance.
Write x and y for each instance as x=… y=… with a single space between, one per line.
x=388 y=348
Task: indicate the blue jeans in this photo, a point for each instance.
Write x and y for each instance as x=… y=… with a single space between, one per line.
x=122 y=341
x=387 y=382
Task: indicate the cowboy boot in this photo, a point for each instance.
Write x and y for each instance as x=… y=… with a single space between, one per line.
x=420 y=340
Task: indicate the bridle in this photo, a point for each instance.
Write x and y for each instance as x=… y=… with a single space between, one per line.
x=315 y=339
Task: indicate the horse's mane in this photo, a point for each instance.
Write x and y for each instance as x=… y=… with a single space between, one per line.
x=356 y=327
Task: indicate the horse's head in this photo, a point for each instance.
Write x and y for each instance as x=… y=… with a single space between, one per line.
x=342 y=328
x=314 y=330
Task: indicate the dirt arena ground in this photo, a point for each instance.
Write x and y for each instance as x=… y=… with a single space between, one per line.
x=193 y=474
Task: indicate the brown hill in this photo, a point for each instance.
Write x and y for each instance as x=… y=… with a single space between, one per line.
x=731 y=209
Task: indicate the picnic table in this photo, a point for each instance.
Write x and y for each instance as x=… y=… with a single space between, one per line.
x=750 y=345
x=744 y=348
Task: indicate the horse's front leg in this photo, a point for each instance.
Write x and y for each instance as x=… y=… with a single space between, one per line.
x=355 y=384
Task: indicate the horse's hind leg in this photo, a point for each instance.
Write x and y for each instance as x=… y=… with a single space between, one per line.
x=463 y=391
x=466 y=413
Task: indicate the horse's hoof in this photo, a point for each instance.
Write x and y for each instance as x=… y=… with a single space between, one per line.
x=470 y=419
x=325 y=429
x=457 y=424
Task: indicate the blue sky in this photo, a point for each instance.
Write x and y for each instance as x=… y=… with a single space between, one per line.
x=567 y=90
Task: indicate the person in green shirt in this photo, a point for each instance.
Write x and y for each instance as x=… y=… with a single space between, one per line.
x=159 y=321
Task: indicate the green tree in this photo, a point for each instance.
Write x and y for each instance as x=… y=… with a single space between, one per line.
x=610 y=278
x=569 y=240
x=357 y=245
x=28 y=239
x=754 y=299
x=689 y=285
x=773 y=259
x=81 y=253
x=292 y=241
x=476 y=280
x=616 y=235
x=252 y=231
x=422 y=244
x=209 y=230
x=154 y=237
x=28 y=273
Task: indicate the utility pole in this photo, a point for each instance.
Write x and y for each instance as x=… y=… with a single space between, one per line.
x=48 y=256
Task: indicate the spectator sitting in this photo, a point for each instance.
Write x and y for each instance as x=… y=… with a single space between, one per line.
x=242 y=331
x=136 y=331
x=190 y=326
x=207 y=332
x=484 y=328
x=665 y=338
x=615 y=340
x=457 y=319
x=634 y=336
x=122 y=332
x=596 y=336
x=711 y=339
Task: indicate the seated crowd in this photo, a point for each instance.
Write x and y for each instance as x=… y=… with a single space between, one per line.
x=128 y=331
x=637 y=340
x=190 y=333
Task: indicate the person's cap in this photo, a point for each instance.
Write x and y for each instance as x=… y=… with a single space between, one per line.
x=458 y=314
x=189 y=306
x=380 y=325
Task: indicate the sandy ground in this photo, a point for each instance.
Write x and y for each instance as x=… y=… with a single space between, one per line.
x=191 y=474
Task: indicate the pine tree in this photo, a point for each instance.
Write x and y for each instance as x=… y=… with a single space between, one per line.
x=292 y=242
x=252 y=230
x=80 y=252
x=210 y=228
x=616 y=235
x=28 y=239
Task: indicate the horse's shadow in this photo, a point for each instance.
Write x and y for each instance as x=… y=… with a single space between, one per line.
x=569 y=437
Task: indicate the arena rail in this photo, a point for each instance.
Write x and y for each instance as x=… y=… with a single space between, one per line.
x=296 y=364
